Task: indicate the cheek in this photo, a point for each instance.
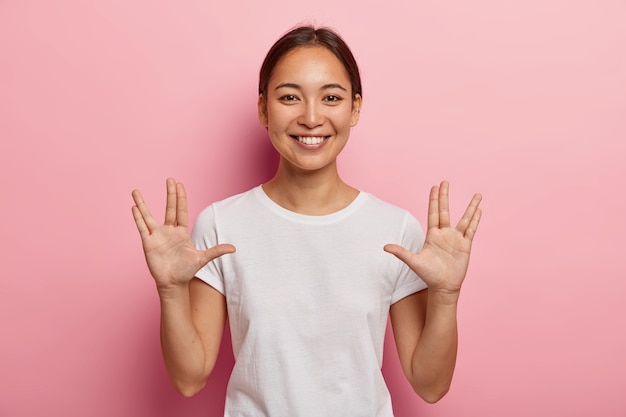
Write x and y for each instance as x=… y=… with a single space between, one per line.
x=278 y=117
x=349 y=120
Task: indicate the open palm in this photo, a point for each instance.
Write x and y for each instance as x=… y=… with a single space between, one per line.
x=442 y=263
x=170 y=254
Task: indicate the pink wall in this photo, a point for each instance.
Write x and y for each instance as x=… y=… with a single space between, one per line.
x=522 y=101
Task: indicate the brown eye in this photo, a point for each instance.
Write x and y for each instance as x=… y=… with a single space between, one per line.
x=332 y=99
x=289 y=97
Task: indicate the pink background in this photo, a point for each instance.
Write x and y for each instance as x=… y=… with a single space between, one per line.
x=522 y=101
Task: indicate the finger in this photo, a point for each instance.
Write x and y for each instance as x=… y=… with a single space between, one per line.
x=433 y=207
x=170 y=205
x=469 y=213
x=473 y=225
x=144 y=232
x=399 y=252
x=217 y=251
x=142 y=207
x=444 y=208
x=181 y=205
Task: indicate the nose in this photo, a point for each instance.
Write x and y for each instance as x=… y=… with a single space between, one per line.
x=311 y=116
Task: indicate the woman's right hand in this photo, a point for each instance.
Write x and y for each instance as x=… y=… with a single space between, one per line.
x=171 y=256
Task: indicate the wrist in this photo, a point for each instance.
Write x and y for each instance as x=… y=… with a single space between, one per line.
x=172 y=291
x=444 y=296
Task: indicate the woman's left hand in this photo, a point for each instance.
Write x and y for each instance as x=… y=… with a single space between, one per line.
x=442 y=262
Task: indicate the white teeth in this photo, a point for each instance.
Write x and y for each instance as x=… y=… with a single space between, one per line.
x=308 y=140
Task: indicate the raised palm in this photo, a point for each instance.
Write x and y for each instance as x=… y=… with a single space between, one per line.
x=442 y=262
x=171 y=256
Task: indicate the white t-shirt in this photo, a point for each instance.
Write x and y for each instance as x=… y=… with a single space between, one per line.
x=308 y=302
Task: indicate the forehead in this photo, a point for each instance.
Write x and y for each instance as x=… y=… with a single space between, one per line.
x=310 y=64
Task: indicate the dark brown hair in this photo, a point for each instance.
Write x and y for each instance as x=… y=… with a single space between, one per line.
x=309 y=36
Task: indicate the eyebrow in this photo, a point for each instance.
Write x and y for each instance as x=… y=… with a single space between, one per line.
x=298 y=87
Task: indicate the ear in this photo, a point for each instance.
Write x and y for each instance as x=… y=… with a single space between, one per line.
x=357 y=104
x=262 y=110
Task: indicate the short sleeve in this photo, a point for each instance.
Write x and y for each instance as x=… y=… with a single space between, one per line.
x=204 y=236
x=412 y=238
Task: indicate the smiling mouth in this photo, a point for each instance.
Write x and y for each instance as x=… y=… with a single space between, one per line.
x=310 y=140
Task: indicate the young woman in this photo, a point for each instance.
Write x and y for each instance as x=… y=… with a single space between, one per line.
x=312 y=281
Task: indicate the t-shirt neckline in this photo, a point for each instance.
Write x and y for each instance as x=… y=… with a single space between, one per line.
x=306 y=218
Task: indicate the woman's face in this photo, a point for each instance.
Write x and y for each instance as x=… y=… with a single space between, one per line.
x=308 y=108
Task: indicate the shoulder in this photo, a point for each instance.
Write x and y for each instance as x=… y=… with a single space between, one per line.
x=227 y=210
x=229 y=203
x=385 y=215
x=385 y=210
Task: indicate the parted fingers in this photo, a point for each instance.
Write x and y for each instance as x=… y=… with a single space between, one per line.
x=469 y=222
x=141 y=213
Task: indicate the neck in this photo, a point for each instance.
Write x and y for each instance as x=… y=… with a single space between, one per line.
x=313 y=193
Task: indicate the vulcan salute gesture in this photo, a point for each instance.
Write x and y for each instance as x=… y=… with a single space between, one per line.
x=442 y=262
x=305 y=268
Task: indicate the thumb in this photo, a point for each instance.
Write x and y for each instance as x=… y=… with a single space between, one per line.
x=399 y=252
x=217 y=251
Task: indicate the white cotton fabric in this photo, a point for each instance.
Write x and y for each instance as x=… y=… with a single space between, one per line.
x=308 y=301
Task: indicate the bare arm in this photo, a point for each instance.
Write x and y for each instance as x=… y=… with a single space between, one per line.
x=425 y=323
x=192 y=313
x=192 y=325
x=425 y=331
